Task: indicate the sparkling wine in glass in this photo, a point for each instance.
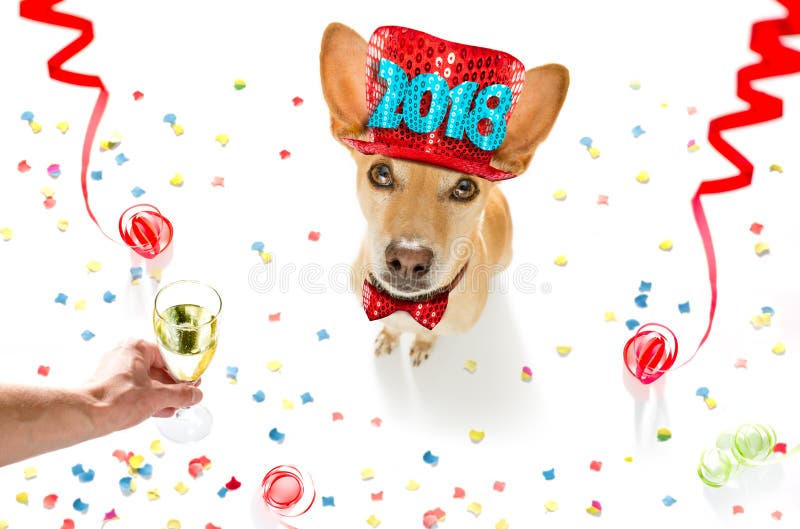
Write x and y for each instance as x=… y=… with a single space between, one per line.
x=185 y=318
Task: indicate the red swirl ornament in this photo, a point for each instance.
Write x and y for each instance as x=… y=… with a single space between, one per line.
x=145 y=230
x=287 y=491
x=651 y=352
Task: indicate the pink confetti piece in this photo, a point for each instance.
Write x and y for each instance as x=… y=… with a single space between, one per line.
x=738 y=509
x=337 y=416
x=43 y=371
x=432 y=517
x=691 y=110
x=499 y=486
x=777 y=515
x=68 y=524
x=218 y=181
x=49 y=202
x=376 y=496
x=376 y=422
x=595 y=465
x=313 y=236
x=137 y=95
x=210 y=525
x=285 y=154
x=780 y=448
x=233 y=484
x=602 y=200
x=111 y=515
x=756 y=228
x=297 y=101
x=23 y=166
x=741 y=363
x=459 y=493
x=49 y=501
x=275 y=317
x=122 y=456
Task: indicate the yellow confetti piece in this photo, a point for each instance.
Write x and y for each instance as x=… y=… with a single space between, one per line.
x=287 y=404
x=471 y=366
x=222 y=139
x=561 y=260
x=3 y=524
x=629 y=459
x=181 y=488
x=22 y=498
x=476 y=436
x=155 y=274
x=367 y=473
x=560 y=195
x=47 y=191
x=711 y=403
x=776 y=167
x=757 y=321
x=665 y=245
x=664 y=104
x=173 y=524
x=80 y=304
x=412 y=485
x=591 y=509
x=693 y=147
x=94 y=266
x=62 y=224
x=178 y=129
x=153 y=494
x=36 y=127
x=610 y=316
x=564 y=350
x=475 y=508
x=373 y=520
x=111 y=144
x=643 y=177
x=63 y=126
x=762 y=248
x=635 y=85
x=7 y=233
x=176 y=180
x=266 y=257
x=594 y=152
x=232 y=380
x=551 y=506
x=766 y=319
x=136 y=461
x=274 y=366
x=30 y=472
x=501 y=524
x=157 y=448
x=779 y=348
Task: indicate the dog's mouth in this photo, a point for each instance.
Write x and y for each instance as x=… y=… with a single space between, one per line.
x=418 y=296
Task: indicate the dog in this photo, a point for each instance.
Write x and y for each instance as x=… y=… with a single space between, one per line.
x=431 y=230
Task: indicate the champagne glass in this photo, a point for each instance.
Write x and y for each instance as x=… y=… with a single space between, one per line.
x=185 y=319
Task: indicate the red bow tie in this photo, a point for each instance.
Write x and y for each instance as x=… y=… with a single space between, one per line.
x=378 y=304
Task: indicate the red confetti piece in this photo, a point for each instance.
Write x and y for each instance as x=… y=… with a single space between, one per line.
x=137 y=95
x=197 y=465
x=43 y=370
x=275 y=317
x=68 y=524
x=756 y=228
x=780 y=448
x=337 y=416
x=285 y=154
x=377 y=496
x=122 y=456
x=218 y=181
x=376 y=422
x=23 y=166
x=210 y=525
x=49 y=501
x=49 y=202
x=602 y=200
x=313 y=236
x=432 y=517
x=738 y=509
x=596 y=466
x=233 y=484
x=297 y=101
x=459 y=493
x=499 y=486
x=777 y=515
x=691 y=110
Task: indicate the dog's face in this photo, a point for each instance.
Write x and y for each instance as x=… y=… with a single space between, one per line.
x=419 y=221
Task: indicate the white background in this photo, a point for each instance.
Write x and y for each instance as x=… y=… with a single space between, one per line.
x=184 y=57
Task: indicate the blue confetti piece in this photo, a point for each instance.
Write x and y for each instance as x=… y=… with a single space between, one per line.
x=125 y=484
x=768 y=310
x=79 y=506
x=27 y=116
x=136 y=272
x=61 y=298
x=327 y=501
x=120 y=158
x=684 y=307
x=97 y=175
x=86 y=477
x=645 y=286
x=87 y=335
x=669 y=501
x=631 y=324
x=586 y=141
x=146 y=470
x=77 y=470
x=170 y=118
x=429 y=458
x=232 y=372
x=222 y=492
x=637 y=131
x=258 y=396
x=137 y=192
x=549 y=474
x=702 y=392
x=257 y=246
x=276 y=436
x=108 y=297
x=322 y=334
x=641 y=301
x=306 y=398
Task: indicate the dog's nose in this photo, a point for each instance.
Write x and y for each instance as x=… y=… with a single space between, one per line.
x=408 y=261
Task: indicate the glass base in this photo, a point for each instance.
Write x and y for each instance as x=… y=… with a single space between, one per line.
x=187 y=425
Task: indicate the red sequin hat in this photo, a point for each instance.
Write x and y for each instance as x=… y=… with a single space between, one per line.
x=439 y=102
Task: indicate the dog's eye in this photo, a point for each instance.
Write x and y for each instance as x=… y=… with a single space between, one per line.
x=465 y=190
x=380 y=175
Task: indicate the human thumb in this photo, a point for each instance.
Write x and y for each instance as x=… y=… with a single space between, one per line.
x=178 y=395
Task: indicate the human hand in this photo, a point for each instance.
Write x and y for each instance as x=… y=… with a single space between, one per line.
x=132 y=384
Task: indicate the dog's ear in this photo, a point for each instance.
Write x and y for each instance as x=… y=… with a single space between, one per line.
x=342 y=59
x=538 y=106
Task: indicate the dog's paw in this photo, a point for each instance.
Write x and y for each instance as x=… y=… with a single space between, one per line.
x=386 y=342
x=420 y=350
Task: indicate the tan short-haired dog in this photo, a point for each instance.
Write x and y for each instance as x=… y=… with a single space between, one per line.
x=429 y=228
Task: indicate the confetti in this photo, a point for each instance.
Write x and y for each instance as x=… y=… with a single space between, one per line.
x=527 y=374
x=459 y=493
x=665 y=245
x=779 y=448
x=561 y=260
x=768 y=310
x=635 y=85
x=692 y=146
x=257 y=246
x=7 y=233
x=499 y=486
x=49 y=203
x=738 y=509
x=476 y=436
x=373 y=520
x=313 y=236
x=62 y=126
x=475 y=508
x=702 y=392
x=501 y=524
x=641 y=301
x=233 y=484
x=328 y=501
x=274 y=365
x=112 y=515
x=376 y=422
x=610 y=316
x=87 y=335
x=637 y=131
x=376 y=496
x=471 y=366
x=337 y=416
x=669 y=501
x=756 y=228
x=594 y=152
x=663 y=434
x=153 y=494
x=412 y=485
x=287 y=404
x=779 y=348
x=628 y=459
x=259 y=396
x=170 y=118
x=121 y=158
x=322 y=334
x=560 y=195
x=29 y=472
x=551 y=506
x=596 y=466
x=173 y=524
x=631 y=324
x=136 y=461
x=643 y=177
x=266 y=257
x=109 y=297
x=94 y=266
x=691 y=110
x=146 y=470
x=276 y=436
x=775 y=167
x=549 y=474
x=211 y=526
x=62 y=225
x=297 y=101
x=23 y=166
x=232 y=372
x=586 y=141
x=96 y=175
x=595 y=509
x=127 y=485
x=367 y=473
x=306 y=398
x=181 y=488
x=137 y=95
x=645 y=286
x=22 y=497
x=79 y=506
x=218 y=181
x=761 y=248
x=239 y=84
x=711 y=403
x=777 y=515
x=68 y=524
x=284 y=154
x=27 y=116
x=86 y=477
x=198 y=465
x=429 y=458
x=80 y=304
x=176 y=180
x=741 y=363
x=54 y=170
x=684 y=308
x=49 y=501
x=61 y=298
x=602 y=200
x=563 y=350
x=47 y=191
x=431 y=518
x=222 y=139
